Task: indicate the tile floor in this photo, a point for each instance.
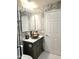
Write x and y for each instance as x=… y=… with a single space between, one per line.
x=46 y=55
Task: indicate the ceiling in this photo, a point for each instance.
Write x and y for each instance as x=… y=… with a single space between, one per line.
x=40 y=3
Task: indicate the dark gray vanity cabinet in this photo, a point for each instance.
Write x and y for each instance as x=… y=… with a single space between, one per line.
x=33 y=49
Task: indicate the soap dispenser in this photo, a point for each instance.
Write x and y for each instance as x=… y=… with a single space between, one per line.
x=26 y=36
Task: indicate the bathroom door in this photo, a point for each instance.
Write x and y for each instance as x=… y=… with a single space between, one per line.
x=52 y=31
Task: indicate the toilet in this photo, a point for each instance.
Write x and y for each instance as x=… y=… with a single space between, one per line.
x=26 y=57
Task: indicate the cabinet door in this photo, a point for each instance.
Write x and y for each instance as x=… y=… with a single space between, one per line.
x=41 y=46
x=27 y=48
x=38 y=48
x=36 y=52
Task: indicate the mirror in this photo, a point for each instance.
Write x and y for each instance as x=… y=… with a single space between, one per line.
x=25 y=17
x=31 y=21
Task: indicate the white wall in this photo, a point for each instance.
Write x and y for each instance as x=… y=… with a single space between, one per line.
x=53 y=28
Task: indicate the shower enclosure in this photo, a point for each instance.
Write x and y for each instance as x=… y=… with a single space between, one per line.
x=19 y=31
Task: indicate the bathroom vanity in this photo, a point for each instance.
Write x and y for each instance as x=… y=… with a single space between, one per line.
x=33 y=47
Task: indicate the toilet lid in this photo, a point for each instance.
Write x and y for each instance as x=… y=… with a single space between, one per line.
x=26 y=57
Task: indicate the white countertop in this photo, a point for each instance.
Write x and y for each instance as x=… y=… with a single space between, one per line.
x=32 y=40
